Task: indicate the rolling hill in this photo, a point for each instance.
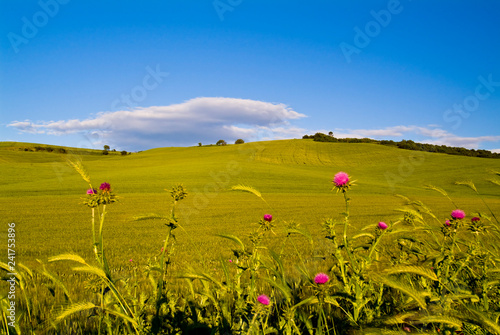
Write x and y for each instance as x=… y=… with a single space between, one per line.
x=42 y=194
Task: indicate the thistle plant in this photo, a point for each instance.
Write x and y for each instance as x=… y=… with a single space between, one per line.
x=108 y=309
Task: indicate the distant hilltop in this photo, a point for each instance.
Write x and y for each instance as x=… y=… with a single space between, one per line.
x=407 y=144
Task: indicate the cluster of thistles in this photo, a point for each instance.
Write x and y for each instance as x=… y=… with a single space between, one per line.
x=102 y=196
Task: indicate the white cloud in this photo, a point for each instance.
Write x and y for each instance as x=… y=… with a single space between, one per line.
x=200 y=119
x=207 y=120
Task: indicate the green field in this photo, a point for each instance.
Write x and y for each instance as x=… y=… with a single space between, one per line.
x=42 y=195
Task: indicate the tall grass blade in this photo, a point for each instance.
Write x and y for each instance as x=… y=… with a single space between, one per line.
x=75 y=308
x=468 y=184
x=419 y=297
x=67 y=257
x=483 y=320
x=442 y=319
x=437 y=189
x=234 y=239
x=151 y=216
x=494 y=181
x=248 y=189
x=418 y=270
x=78 y=166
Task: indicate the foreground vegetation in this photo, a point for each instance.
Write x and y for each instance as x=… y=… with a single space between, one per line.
x=222 y=273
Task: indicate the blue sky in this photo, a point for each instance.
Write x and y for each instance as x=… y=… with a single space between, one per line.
x=167 y=73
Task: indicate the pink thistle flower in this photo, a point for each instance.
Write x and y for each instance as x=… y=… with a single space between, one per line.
x=458 y=214
x=382 y=225
x=447 y=222
x=130 y=260
x=105 y=187
x=475 y=219
x=268 y=217
x=341 y=179
x=263 y=299
x=230 y=261
x=91 y=191
x=321 y=278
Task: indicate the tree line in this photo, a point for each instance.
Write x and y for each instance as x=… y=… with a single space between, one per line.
x=407 y=144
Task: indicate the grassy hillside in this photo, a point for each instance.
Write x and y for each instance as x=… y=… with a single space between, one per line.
x=42 y=194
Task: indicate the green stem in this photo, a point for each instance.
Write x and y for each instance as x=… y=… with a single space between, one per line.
x=346 y=223
x=94 y=244
x=377 y=240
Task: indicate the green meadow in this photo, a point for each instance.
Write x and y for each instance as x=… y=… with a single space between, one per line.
x=43 y=195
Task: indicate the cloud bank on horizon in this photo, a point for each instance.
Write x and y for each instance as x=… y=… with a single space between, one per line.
x=208 y=119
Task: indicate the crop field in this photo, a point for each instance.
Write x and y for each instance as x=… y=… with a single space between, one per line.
x=43 y=195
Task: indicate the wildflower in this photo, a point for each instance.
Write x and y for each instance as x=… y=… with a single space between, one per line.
x=268 y=217
x=230 y=261
x=130 y=260
x=458 y=214
x=321 y=278
x=475 y=219
x=447 y=222
x=105 y=187
x=382 y=225
x=341 y=179
x=91 y=191
x=263 y=299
